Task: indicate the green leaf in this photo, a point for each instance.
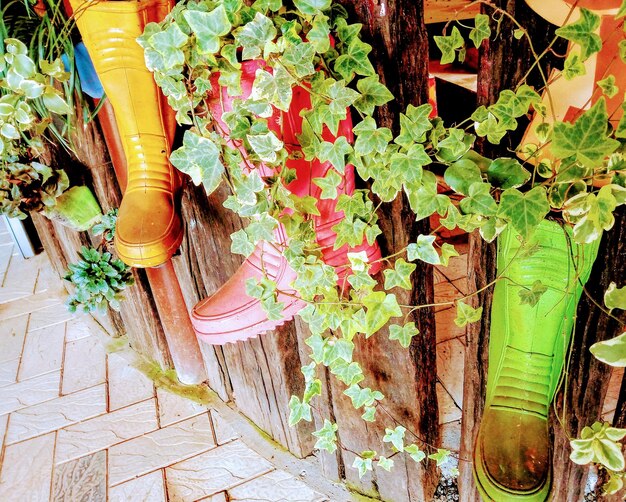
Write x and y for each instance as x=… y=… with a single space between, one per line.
x=327 y=437
x=423 y=250
x=611 y=352
x=573 y=66
x=240 y=244
x=380 y=308
x=403 y=334
x=265 y=146
x=533 y=295
x=299 y=58
x=400 y=275
x=597 y=213
x=298 y=411
x=54 y=102
x=349 y=373
x=373 y=94
x=319 y=34
x=328 y=184
x=168 y=43
x=414 y=125
x=582 y=33
x=312 y=7
x=355 y=60
x=371 y=138
x=395 y=437
x=587 y=139
x=273 y=88
x=370 y=414
x=415 y=453
x=466 y=314
x=507 y=173
x=479 y=201
x=208 y=28
x=362 y=465
x=481 y=30
x=609 y=454
x=255 y=35
x=385 y=463
x=524 y=211
x=440 y=457
x=614 y=297
x=362 y=397
x=199 y=158
x=335 y=153
x=609 y=89
x=447 y=251
x=448 y=44
x=461 y=175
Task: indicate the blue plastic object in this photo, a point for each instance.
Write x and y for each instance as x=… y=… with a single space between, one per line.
x=89 y=81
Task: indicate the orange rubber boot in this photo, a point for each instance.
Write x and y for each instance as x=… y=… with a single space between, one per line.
x=149 y=227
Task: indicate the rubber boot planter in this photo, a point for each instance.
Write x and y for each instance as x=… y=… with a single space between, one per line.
x=527 y=348
x=149 y=228
x=229 y=314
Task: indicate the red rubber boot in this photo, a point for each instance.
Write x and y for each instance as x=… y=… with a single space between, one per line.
x=229 y=314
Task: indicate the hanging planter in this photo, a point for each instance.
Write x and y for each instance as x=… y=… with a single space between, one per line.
x=532 y=316
x=76 y=208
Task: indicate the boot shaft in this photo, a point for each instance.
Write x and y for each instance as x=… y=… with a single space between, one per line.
x=146 y=124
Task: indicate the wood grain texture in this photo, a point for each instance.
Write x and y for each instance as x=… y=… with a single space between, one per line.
x=441 y=11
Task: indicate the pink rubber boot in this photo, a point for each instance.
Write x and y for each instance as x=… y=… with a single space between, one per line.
x=230 y=314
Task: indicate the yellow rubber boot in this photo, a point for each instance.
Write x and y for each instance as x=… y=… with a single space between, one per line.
x=149 y=228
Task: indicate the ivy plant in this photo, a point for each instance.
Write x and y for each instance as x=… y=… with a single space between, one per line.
x=311 y=45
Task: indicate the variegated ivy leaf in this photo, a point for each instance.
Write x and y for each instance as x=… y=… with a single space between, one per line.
x=466 y=314
x=298 y=411
x=312 y=7
x=414 y=124
x=385 y=463
x=573 y=66
x=423 y=250
x=441 y=456
x=524 y=210
x=199 y=157
x=363 y=464
x=208 y=28
x=370 y=414
x=461 y=174
x=612 y=352
x=609 y=89
x=328 y=184
x=400 y=275
x=415 y=453
x=380 y=308
x=395 y=437
x=449 y=44
x=362 y=397
x=349 y=373
x=299 y=58
x=240 y=243
x=532 y=296
x=373 y=94
x=168 y=44
x=355 y=60
x=587 y=139
x=326 y=437
x=447 y=251
x=614 y=297
x=582 y=33
x=265 y=146
x=273 y=88
x=481 y=30
x=255 y=35
x=335 y=153
x=403 y=334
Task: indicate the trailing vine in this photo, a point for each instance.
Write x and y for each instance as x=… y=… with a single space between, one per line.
x=310 y=44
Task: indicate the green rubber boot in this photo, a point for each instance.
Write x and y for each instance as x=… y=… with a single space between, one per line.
x=527 y=348
x=76 y=208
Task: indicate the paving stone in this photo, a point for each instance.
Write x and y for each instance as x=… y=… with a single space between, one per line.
x=450 y=366
x=49 y=316
x=127 y=385
x=4 y=419
x=84 y=364
x=215 y=471
x=160 y=448
x=81 y=480
x=174 y=408
x=29 y=392
x=51 y=415
x=13 y=293
x=24 y=271
x=148 y=488
x=276 y=486
x=33 y=303
x=223 y=432
x=27 y=470
x=12 y=335
x=105 y=431
x=43 y=352
x=80 y=327
x=6 y=254
x=8 y=372
x=218 y=497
